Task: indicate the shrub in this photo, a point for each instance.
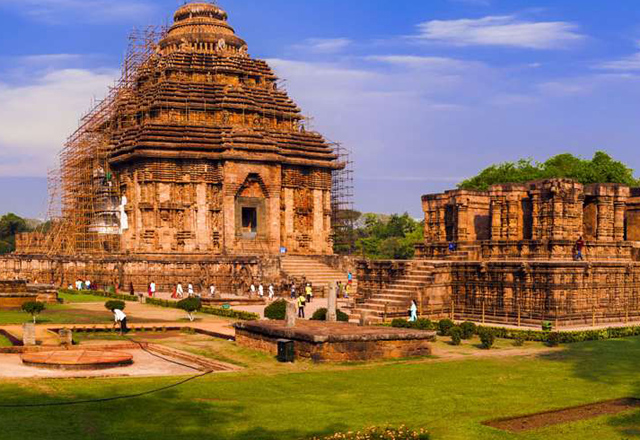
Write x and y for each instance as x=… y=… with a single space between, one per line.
x=456 y=335
x=468 y=330
x=321 y=315
x=423 y=324
x=445 y=325
x=554 y=339
x=400 y=323
x=276 y=310
x=114 y=304
x=375 y=433
x=487 y=338
x=547 y=326
x=518 y=341
x=34 y=308
x=190 y=305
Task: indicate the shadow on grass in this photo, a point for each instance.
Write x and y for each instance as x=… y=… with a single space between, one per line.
x=611 y=362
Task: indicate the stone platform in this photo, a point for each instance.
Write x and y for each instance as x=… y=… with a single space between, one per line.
x=77 y=360
x=337 y=342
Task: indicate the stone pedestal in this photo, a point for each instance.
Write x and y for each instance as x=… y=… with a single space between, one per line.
x=29 y=334
x=66 y=336
x=291 y=314
x=332 y=299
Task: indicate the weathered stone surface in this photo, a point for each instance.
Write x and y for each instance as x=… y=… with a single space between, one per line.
x=291 y=314
x=336 y=342
x=29 y=334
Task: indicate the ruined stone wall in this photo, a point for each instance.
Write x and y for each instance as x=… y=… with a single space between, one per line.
x=229 y=275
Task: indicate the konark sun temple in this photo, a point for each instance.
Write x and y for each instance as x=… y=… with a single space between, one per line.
x=198 y=167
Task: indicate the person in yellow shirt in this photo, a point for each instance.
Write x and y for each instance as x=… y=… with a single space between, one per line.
x=302 y=301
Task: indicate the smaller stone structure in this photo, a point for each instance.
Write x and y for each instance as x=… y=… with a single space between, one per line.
x=336 y=342
x=28 y=334
x=78 y=360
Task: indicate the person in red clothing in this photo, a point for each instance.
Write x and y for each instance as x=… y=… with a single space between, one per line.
x=579 y=249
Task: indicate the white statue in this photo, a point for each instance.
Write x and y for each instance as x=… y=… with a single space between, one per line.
x=124 y=220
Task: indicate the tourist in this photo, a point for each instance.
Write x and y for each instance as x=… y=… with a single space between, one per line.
x=190 y=290
x=152 y=289
x=346 y=291
x=453 y=247
x=121 y=318
x=252 y=290
x=87 y=285
x=78 y=284
x=338 y=288
x=579 y=249
x=301 y=303
x=293 y=291
x=180 y=291
x=261 y=290
x=131 y=290
x=349 y=278
x=413 y=311
x=309 y=291
x=212 y=291
x=271 y=292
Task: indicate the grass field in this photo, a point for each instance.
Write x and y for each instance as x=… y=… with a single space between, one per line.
x=271 y=401
x=4 y=342
x=81 y=298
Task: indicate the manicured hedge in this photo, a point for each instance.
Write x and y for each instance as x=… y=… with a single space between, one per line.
x=321 y=315
x=101 y=293
x=557 y=337
x=225 y=313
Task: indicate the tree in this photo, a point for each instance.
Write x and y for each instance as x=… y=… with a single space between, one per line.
x=10 y=225
x=389 y=237
x=600 y=169
x=190 y=305
x=114 y=304
x=34 y=308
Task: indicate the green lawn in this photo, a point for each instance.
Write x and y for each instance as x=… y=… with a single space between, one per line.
x=4 y=342
x=81 y=298
x=451 y=399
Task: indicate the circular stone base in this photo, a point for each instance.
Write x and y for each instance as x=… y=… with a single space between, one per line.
x=77 y=360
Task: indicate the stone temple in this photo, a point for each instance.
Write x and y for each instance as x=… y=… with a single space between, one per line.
x=195 y=164
x=513 y=257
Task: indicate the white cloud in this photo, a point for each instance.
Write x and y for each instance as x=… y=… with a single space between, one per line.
x=35 y=119
x=60 y=11
x=505 y=31
x=422 y=62
x=324 y=45
x=631 y=62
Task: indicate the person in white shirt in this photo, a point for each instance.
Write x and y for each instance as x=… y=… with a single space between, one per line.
x=190 y=289
x=252 y=291
x=413 y=311
x=87 y=284
x=180 y=290
x=212 y=291
x=152 y=289
x=78 y=285
x=261 y=290
x=121 y=318
x=271 y=291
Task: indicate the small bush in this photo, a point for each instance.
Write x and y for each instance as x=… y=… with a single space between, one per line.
x=468 y=330
x=445 y=325
x=190 y=305
x=114 y=304
x=321 y=315
x=34 y=308
x=547 y=326
x=400 y=323
x=487 y=338
x=518 y=341
x=554 y=338
x=276 y=310
x=456 y=335
x=423 y=324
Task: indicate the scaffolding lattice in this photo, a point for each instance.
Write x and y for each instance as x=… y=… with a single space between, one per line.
x=342 y=206
x=84 y=196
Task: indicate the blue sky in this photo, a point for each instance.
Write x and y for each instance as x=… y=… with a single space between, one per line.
x=425 y=93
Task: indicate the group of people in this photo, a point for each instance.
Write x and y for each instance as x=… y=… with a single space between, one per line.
x=82 y=285
x=271 y=291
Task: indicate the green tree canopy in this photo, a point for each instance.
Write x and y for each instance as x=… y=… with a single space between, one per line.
x=388 y=237
x=600 y=169
x=10 y=225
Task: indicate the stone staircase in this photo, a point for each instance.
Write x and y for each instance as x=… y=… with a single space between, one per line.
x=396 y=298
x=314 y=271
x=464 y=252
